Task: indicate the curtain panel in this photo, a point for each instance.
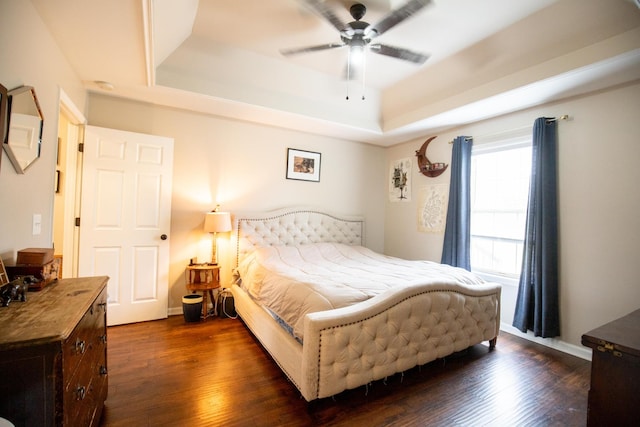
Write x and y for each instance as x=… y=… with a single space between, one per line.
x=456 y=250
x=537 y=305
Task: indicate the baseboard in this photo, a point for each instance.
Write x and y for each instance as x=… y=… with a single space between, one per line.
x=556 y=344
x=174 y=311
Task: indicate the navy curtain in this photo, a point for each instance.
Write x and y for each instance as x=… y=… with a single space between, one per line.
x=537 y=306
x=456 y=249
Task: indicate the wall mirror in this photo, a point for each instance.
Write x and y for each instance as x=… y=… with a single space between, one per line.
x=25 y=128
x=4 y=103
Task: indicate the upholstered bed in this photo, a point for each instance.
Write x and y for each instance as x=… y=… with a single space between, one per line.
x=391 y=330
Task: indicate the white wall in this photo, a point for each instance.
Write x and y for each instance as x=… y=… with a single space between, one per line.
x=599 y=205
x=242 y=166
x=29 y=56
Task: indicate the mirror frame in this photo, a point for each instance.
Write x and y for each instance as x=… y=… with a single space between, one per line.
x=32 y=135
x=4 y=104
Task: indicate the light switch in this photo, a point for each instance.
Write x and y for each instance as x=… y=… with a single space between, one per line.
x=37 y=224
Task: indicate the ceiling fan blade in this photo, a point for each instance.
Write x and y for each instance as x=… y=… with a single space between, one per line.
x=400 y=53
x=395 y=17
x=295 y=51
x=321 y=8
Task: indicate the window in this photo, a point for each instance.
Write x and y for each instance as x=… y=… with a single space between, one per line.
x=500 y=175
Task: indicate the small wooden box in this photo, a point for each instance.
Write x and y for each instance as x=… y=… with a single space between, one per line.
x=44 y=273
x=34 y=256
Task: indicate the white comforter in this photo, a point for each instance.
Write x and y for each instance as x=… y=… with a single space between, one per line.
x=292 y=281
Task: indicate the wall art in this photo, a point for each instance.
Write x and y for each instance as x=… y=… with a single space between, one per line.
x=303 y=165
x=432 y=208
x=400 y=180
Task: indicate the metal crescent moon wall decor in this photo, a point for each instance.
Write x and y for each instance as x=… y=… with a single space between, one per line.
x=427 y=168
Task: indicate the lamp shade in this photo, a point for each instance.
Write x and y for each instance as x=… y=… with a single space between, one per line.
x=217 y=222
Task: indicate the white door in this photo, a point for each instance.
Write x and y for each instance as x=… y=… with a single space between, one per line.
x=125 y=217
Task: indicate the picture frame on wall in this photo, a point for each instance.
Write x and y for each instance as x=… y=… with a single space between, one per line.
x=303 y=165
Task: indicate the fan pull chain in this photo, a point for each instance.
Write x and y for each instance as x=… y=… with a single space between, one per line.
x=348 y=71
x=364 y=66
x=364 y=70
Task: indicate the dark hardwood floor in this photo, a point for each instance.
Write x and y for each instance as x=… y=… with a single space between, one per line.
x=172 y=373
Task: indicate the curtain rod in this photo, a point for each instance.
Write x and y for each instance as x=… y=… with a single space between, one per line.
x=551 y=119
x=556 y=119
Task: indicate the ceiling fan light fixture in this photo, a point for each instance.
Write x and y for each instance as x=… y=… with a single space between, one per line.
x=356 y=64
x=358 y=34
x=356 y=54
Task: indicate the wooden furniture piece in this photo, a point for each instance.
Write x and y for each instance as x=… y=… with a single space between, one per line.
x=614 y=396
x=39 y=263
x=426 y=167
x=53 y=355
x=59 y=262
x=34 y=256
x=203 y=278
x=4 y=277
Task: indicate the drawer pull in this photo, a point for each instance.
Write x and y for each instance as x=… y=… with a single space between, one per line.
x=103 y=305
x=81 y=392
x=80 y=346
x=103 y=370
x=103 y=338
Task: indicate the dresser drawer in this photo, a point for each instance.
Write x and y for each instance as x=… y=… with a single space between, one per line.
x=90 y=333
x=85 y=362
x=85 y=389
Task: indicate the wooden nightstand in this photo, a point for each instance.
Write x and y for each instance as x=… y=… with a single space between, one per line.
x=203 y=278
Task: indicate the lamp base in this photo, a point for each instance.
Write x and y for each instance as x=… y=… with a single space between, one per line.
x=214 y=250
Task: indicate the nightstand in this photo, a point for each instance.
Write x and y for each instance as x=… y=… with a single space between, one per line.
x=203 y=278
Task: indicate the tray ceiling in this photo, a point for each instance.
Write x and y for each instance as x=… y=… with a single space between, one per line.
x=223 y=58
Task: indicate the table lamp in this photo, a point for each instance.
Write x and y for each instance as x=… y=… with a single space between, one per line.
x=216 y=222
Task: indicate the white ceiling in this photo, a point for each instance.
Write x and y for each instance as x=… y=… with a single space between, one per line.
x=222 y=57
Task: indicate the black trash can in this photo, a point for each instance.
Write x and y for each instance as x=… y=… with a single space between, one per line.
x=192 y=307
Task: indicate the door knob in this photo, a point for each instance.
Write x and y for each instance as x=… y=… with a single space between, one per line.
x=163 y=237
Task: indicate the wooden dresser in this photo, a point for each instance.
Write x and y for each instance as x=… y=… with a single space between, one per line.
x=53 y=355
x=614 y=396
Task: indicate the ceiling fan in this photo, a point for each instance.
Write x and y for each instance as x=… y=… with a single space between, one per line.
x=358 y=35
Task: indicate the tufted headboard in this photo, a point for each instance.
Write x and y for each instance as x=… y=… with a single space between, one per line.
x=294 y=226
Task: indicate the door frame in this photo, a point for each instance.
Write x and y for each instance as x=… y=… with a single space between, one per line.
x=71 y=184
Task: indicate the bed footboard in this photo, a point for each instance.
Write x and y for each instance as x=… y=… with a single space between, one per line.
x=394 y=332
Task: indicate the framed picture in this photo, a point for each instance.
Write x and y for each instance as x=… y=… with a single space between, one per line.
x=303 y=165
